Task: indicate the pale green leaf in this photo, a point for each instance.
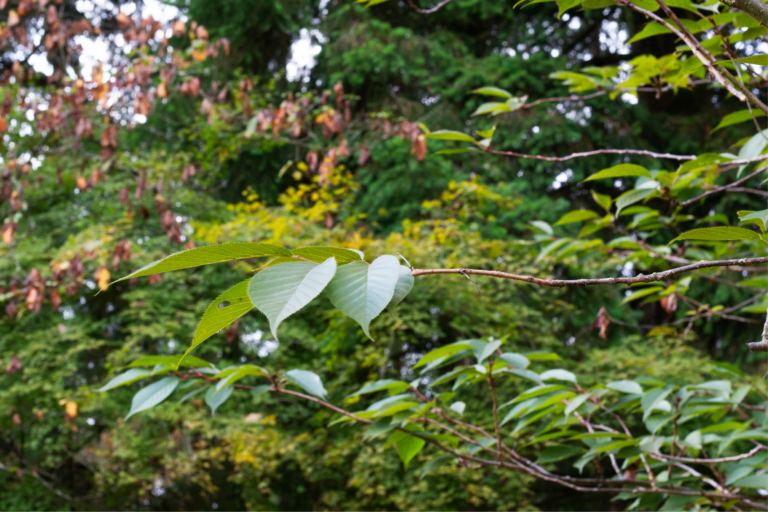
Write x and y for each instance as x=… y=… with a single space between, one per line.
x=761 y=216
x=214 y=397
x=458 y=407
x=437 y=462
x=625 y=386
x=402 y=288
x=152 y=395
x=308 y=381
x=575 y=404
x=282 y=290
x=321 y=254
x=239 y=374
x=394 y=386
x=128 y=377
x=576 y=216
x=652 y=399
x=492 y=91
x=738 y=117
x=558 y=374
x=451 y=135
x=516 y=360
x=362 y=291
x=632 y=197
x=191 y=362
x=407 y=446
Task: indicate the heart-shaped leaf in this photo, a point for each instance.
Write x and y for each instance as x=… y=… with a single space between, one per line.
x=362 y=291
x=282 y=290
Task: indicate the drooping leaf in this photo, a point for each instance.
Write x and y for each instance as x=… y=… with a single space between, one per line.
x=626 y=386
x=402 y=288
x=208 y=255
x=443 y=351
x=435 y=463
x=362 y=291
x=516 y=360
x=620 y=171
x=718 y=234
x=307 y=381
x=152 y=395
x=558 y=374
x=282 y=290
x=393 y=386
x=228 y=307
x=760 y=216
x=575 y=404
x=321 y=254
x=653 y=398
x=215 y=397
x=128 y=377
x=407 y=446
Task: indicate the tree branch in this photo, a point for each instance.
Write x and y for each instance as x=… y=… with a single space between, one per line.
x=720 y=189
x=754 y=8
x=430 y=10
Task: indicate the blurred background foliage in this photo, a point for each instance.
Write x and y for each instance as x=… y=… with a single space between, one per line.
x=271 y=453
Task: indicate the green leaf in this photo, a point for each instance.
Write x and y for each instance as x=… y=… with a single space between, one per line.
x=402 y=288
x=564 y=5
x=651 y=29
x=446 y=350
x=394 y=386
x=718 y=234
x=516 y=360
x=492 y=91
x=738 y=117
x=214 y=397
x=760 y=60
x=308 y=381
x=260 y=390
x=239 y=374
x=486 y=108
x=761 y=215
x=128 y=377
x=542 y=226
x=484 y=350
x=152 y=395
x=207 y=255
x=602 y=200
x=451 y=135
x=542 y=356
x=652 y=398
x=632 y=197
x=620 y=171
x=642 y=293
x=455 y=151
x=625 y=386
x=458 y=407
x=321 y=254
x=437 y=462
x=558 y=374
x=362 y=291
x=191 y=362
x=557 y=453
x=228 y=307
x=754 y=481
x=407 y=446
x=282 y=290
x=575 y=404
x=576 y=216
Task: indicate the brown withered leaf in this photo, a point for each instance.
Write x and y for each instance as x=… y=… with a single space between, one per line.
x=14 y=364
x=602 y=322
x=669 y=303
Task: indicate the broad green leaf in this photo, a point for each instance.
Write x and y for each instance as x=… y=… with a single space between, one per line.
x=321 y=254
x=437 y=462
x=651 y=29
x=394 y=386
x=738 y=117
x=761 y=216
x=493 y=91
x=564 y=5
x=542 y=226
x=719 y=386
x=451 y=135
x=755 y=282
x=308 y=381
x=754 y=481
x=191 y=362
x=620 y=171
x=207 y=255
x=282 y=290
x=738 y=473
x=526 y=374
x=603 y=200
x=576 y=216
x=558 y=374
x=486 y=108
x=753 y=147
x=214 y=397
x=760 y=60
x=625 y=386
x=652 y=399
x=575 y=404
x=516 y=360
x=362 y=291
x=128 y=377
x=407 y=446
x=484 y=350
x=402 y=288
x=152 y=395
x=260 y=390
x=228 y=307
x=718 y=234
x=557 y=453
x=631 y=197
x=239 y=374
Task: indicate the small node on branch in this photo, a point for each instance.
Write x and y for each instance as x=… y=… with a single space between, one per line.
x=761 y=346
